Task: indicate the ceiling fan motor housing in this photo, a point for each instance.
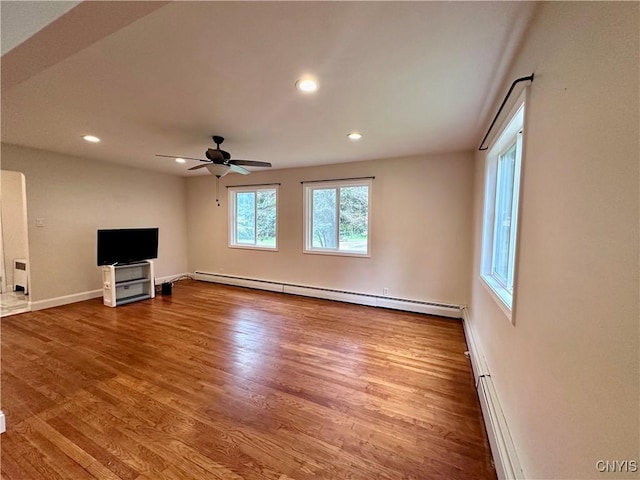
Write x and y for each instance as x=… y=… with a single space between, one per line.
x=214 y=154
x=217 y=153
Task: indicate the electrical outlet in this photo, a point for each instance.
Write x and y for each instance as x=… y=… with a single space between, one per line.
x=385 y=292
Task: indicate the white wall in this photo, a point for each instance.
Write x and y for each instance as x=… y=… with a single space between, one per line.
x=75 y=197
x=420 y=238
x=12 y=209
x=567 y=374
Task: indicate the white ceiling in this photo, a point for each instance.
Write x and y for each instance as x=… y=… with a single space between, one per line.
x=20 y=20
x=161 y=78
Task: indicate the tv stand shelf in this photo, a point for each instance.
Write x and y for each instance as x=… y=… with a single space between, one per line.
x=132 y=282
x=127 y=283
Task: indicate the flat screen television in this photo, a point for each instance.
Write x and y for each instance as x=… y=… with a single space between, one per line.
x=127 y=245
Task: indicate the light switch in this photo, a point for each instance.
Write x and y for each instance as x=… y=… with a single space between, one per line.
x=39 y=222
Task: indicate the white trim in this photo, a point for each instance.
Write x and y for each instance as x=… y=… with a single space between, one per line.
x=232 y=191
x=3 y=273
x=255 y=247
x=25 y=217
x=494 y=289
x=505 y=457
x=88 y=295
x=509 y=131
x=339 y=253
x=239 y=281
x=429 y=308
x=335 y=295
x=167 y=278
x=65 y=300
x=476 y=355
x=3 y=422
x=307 y=240
x=451 y=311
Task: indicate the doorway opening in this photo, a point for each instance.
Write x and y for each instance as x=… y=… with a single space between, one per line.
x=14 y=246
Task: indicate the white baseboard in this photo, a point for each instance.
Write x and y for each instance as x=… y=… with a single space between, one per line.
x=505 y=458
x=80 y=297
x=476 y=355
x=3 y=423
x=171 y=278
x=443 y=310
x=239 y=282
x=64 y=300
x=338 y=296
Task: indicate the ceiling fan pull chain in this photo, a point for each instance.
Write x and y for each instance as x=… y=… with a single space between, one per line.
x=218 y=190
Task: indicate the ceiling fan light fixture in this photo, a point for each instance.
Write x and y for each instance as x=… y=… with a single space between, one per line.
x=307 y=85
x=217 y=169
x=180 y=160
x=91 y=138
x=354 y=136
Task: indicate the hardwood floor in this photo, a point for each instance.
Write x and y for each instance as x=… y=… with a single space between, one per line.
x=218 y=382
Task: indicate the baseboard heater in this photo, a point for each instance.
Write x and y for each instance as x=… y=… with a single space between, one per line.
x=503 y=451
x=443 y=310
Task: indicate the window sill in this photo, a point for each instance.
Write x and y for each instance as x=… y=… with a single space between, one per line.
x=500 y=295
x=254 y=247
x=337 y=253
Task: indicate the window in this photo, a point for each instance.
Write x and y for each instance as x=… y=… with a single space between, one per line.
x=500 y=220
x=253 y=217
x=337 y=217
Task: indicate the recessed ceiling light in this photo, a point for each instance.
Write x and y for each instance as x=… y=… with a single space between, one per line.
x=91 y=138
x=180 y=160
x=354 y=136
x=307 y=85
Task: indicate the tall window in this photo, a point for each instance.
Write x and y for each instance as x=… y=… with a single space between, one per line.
x=253 y=217
x=500 y=221
x=337 y=217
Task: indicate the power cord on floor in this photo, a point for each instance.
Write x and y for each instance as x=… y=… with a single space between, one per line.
x=162 y=288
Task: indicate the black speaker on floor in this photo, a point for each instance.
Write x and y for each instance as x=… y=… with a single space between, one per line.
x=166 y=288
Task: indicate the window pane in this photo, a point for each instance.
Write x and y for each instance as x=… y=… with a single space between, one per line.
x=266 y=221
x=503 y=215
x=245 y=218
x=354 y=205
x=324 y=219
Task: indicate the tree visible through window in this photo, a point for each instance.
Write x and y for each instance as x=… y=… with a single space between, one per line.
x=337 y=217
x=253 y=217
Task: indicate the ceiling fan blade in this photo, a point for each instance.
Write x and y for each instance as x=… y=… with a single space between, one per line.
x=186 y=158
x=237 y=169
x=250 y=163
x=199 y=166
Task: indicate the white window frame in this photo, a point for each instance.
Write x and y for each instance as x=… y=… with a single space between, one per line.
x=512 y=131
x=232 y=216
x=308 y=216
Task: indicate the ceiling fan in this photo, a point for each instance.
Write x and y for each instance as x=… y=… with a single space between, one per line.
x=219 y=162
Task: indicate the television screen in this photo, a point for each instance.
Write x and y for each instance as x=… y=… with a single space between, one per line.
x=127 y=245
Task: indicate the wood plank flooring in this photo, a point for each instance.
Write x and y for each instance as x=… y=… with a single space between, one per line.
x=218 y=382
